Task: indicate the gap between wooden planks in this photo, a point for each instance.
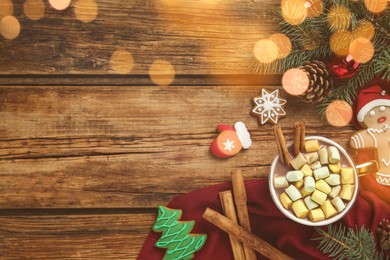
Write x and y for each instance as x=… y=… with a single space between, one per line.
x=119 y=147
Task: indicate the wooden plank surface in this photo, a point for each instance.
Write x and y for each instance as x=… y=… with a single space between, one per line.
x=91 y=236
x=195 y=36
x=117 y=147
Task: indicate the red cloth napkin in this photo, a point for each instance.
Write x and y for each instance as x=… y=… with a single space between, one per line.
x=295 y=240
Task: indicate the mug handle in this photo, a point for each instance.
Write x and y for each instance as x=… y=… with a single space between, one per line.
x=367 y=168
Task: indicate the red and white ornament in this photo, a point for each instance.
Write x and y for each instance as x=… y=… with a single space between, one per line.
x=231 y=140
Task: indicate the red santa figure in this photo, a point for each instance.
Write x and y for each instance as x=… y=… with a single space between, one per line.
x=373 y=113
x=231 y=140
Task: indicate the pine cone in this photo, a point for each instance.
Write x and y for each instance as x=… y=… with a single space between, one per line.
x=321 y=81
x=384 y=234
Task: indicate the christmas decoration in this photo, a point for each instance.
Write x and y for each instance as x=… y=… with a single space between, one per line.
x=384 y=234
x=373 y=113
x=342 y=243
x=231 y=140
x=351 y=36
x=176 y=237
x=269 y=107
x=321 y=83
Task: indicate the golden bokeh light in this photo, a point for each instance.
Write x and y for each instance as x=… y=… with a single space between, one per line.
x=86 y=10
x=266 y=51
x=294 y=11
x=122 y=61
x=376 y=6
x=162 y=72
x=283 y=44
x=316 y=8
x=34 y=9
x=364 y=29
x=60 y=4
x=339 y=113
x=9 y=27
x=340 y=42
x=6 y=8
x=362 y=50
x=339 y=17
x=295 y=81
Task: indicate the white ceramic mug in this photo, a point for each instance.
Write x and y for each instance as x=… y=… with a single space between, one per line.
x=359 y=170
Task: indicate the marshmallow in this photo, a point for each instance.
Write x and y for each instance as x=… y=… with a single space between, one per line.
x=321 y=185
x=328 y=209
x=323 y=154
x=321 y=173
x=316 y=165
x=318 y=197
x=298 y=161
x=333 y=179
x=334 y=155
x=293 y=176
x=316 y=215
x=309 y=184
x=335 y=191
x=299 y=209
x=307 y=171
x=347 y=192
x=335 y=167
x=310 y=204
x=312 y=146
x=293 y=193
x=338 y=204
x=298 y=184
x=285 y=200
x=305 y=193
x=311 y=157
x=347 y=175
x=280 y=182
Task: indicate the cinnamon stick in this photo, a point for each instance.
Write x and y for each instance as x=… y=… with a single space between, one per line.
x=242 y=209
x=282 y=144
x=303 y=134
x=297 y=138
x=229 y=210
x=244 y=236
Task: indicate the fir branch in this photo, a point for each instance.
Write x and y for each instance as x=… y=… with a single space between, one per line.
x=342 y=243
x=382 y=65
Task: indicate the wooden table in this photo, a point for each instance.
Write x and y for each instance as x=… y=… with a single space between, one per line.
x=86 y=154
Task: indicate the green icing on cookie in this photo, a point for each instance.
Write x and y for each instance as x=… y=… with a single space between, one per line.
x=176 y=237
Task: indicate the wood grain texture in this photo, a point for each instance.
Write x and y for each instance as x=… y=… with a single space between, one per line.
x=117 y=147
x=112 y=236
x=197 y=37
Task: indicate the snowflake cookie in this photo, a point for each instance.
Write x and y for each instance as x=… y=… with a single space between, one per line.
x=269 y=107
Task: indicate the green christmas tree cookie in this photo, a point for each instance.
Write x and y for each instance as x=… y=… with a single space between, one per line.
x=176 y=237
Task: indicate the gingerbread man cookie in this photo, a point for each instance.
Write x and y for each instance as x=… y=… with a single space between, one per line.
x=269 y=107
x=373 y=113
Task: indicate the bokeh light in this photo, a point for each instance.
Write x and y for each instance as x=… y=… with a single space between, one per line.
x=162 y=72
x=362 y=50
x=283 y=44
x=339 y=17
x=295 y=81
x=60 y=4
x=294 y=11
x=339 y=113
x=266 y=51
x=340 y=42
x=34 y=9
x=6 y=8
x=316 y=8
x=122 y=61
x=86 y=10
x=376 y=6
x=9 y=27
x=364 y=29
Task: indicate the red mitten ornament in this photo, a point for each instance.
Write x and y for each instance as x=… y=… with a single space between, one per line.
x=231 y=140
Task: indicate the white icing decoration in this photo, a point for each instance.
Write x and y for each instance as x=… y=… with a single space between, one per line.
x=370 y=131
x=229 y=145
x=372 y=113
x=362 y=140
x=382 y=108
x=383 y=179
x=269 y=106
x=355 y=142
x=387 y=163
